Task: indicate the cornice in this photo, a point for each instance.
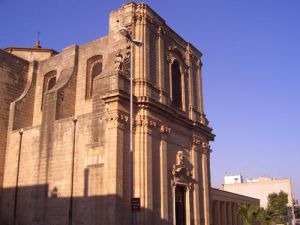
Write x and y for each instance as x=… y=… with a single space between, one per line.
x=173 y=114
x=50 y=50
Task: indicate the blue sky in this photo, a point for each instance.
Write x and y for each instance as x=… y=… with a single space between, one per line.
x=251 y=69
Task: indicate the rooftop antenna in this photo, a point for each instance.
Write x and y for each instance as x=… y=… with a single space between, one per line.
x=38 y=43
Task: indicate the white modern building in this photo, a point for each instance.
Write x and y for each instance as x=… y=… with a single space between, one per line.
x=260 y=188
x=233 y=179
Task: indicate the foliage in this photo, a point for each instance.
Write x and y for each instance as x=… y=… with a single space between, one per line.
x=277 y=208
x=277 y=203
x=248 y=213
x=265 y=217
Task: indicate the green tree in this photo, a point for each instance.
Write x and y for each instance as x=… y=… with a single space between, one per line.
x=277 y=205
x=262 y=217
x=248 y=213
x=276 y=209
x=265 y=217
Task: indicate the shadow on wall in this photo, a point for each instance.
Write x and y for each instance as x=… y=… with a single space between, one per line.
x=37 y=205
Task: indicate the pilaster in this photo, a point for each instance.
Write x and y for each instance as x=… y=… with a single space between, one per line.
x=161 y=67
x=206 y=181
x=164 y=214
x=196 y=161
x=143 y=168
x=114 y=174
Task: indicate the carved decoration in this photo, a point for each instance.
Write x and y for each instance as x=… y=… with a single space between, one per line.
x=203 y=119
x=181 y=173
x=145 y=122
x=139 y=16
x=169 y=58
x=161 y=31
x=126 y=60
x=205 y=147
x=173 y=50
x=175 y=53
x=165 y=129
x=194 y=58
x=199 y=63
x=117 y=120
x=196 y=140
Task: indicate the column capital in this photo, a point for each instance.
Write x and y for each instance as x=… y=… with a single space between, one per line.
x=205 y=147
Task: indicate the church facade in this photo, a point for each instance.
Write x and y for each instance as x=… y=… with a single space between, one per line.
x=65 y=156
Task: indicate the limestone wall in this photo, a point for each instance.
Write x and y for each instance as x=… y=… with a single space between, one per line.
x=71 y=160
x=13 y=76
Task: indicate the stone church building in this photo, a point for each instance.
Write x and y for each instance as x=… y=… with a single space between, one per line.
x=64 y=122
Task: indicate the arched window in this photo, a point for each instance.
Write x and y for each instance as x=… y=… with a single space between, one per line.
x=51 y=83
x=176 y=84
x=48 y=83
x=94 y=68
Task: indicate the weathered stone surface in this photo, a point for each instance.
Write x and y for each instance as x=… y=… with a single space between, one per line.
x=65 y=141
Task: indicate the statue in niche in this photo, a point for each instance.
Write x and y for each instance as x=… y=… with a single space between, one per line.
x=119 y=61
x=126 y=60
x=179 y=165
x=123 y=62
x=179 y=158
x=181 y=173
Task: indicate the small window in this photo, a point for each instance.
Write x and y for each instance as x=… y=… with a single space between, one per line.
x=176 y=84
x=48 y=83
x=51 y=83
x=94 y=68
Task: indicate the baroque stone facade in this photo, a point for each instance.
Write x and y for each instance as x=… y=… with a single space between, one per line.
x=64 y=144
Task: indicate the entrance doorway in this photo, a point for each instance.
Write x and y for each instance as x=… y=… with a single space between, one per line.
x=180 y=205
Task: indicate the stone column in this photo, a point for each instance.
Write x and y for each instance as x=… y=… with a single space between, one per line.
x=234 y=214
x=229 y=213
x=224 y=214
x=216 y=213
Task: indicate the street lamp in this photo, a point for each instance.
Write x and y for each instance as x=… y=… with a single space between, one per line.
x=124 y=31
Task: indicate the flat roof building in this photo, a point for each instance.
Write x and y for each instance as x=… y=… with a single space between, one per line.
x=261 y=187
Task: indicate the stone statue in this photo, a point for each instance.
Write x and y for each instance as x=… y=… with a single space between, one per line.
x=179 y=158
x=119 y=61
x=181 y=173
x=179 y=165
